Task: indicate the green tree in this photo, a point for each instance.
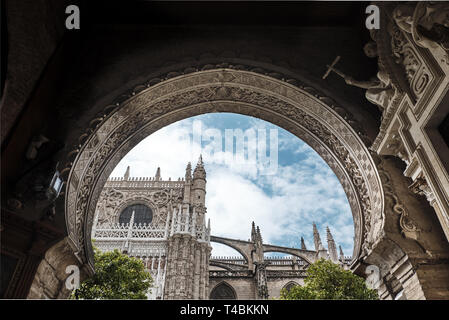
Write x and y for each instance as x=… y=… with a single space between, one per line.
x=327 y=280
x=117 y=276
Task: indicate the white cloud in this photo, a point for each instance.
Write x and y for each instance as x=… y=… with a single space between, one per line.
x=284 y=205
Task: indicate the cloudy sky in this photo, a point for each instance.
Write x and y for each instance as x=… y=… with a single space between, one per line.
x=270 y=177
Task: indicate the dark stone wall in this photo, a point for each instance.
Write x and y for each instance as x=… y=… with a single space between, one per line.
x=33 y=30
x=444 y=130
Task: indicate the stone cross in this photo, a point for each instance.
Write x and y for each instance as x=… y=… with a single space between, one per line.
x=331 y=68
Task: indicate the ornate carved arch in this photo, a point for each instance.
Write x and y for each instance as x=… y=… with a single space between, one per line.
x=294 y=107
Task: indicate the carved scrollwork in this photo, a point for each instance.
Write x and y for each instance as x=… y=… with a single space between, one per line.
x=408 y=226
x=160 y=198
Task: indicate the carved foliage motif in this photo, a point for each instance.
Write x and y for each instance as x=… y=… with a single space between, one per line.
x=111 y=199
x=416 y=74
x=160 y=197
x=408 y=226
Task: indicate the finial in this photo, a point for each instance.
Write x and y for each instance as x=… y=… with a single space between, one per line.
x=331 y=245
x=258 y=235
x=316 y=238
x=329 y=234
x=253 y=232
x=158 y=174
x=126 y=175
x=188 y=172
x=199 y=171
x=303 y=244
x=342 y=256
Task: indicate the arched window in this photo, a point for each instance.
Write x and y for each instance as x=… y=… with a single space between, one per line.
x=142 y=214
x=223 y=292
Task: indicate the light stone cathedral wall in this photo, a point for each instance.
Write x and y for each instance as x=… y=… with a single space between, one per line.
x=245 y=288
x=176 y=238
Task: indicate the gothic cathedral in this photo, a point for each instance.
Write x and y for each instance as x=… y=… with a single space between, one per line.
x=163 y=223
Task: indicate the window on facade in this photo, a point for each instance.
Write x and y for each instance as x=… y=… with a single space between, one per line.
x=290 y=285
x=223 y=291
x=142 y=214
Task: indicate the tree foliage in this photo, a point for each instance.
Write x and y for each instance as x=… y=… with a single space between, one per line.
x=327 y=280
x=117 y=276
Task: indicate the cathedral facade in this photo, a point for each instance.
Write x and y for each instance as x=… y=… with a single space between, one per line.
x=163 y=223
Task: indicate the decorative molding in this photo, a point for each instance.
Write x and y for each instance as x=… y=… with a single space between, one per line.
x=420 y=186
x=414 y=71
x=408 y=226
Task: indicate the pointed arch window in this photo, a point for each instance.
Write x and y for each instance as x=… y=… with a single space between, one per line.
x=290 y=285
x=223 y=291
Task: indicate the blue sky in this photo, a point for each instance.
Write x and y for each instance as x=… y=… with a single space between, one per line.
x=298 y=189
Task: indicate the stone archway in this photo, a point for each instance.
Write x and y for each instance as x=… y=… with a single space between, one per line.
x=296 y=108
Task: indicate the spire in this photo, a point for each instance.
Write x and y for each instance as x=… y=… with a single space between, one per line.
x=258 y=235
x=342 y=255
x=253 y=232
x=258 y=244
x=331 y=246
x=199 y=171
x=158 y=174
x=188 y=172
x=329 y=234
x=303 y=244
x=126 y=175
x=316 y=238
